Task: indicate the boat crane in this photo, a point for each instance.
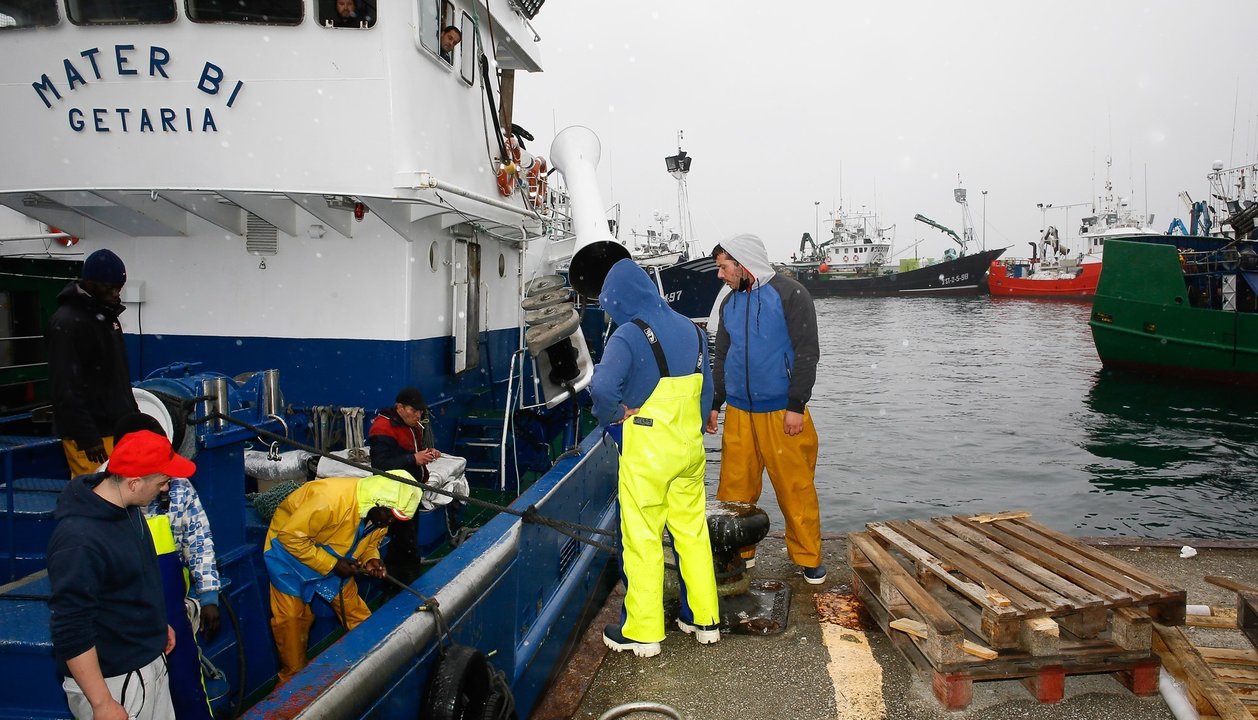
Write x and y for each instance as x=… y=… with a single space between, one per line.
x=805 y=241
x=922 y=218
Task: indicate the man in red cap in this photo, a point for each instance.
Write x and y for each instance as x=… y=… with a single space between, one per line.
x=321 y=536
x=109 y=631
x=87 y=362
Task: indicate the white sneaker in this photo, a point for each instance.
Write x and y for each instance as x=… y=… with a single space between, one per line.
x=614 y=639
x=705 y=634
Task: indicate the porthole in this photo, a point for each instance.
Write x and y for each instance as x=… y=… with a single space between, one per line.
x=502 y=265
x=432 y=256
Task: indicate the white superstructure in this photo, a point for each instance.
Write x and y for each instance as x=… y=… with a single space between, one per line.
x=253 y=170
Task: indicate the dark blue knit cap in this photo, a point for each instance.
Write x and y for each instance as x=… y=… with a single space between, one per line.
x=105 y=267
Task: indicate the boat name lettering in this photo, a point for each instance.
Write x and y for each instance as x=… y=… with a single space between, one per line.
x=212 y=80
x=673 y=296
x=956 y=278
x=160 y=120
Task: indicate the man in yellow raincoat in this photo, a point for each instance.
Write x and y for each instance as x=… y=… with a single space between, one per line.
x=321 y=536
x=654 y=379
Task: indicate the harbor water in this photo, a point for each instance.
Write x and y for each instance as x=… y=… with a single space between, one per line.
x=936 y=406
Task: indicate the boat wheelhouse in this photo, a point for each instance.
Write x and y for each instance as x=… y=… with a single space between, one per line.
x=858 y=245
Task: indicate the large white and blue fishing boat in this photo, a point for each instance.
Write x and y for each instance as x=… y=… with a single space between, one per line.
x=315 y=209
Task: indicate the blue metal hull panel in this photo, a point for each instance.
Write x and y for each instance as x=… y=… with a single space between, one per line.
x=356 y=373
x=525 y=615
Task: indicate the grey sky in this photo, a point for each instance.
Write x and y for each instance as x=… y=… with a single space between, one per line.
x=1024 y=100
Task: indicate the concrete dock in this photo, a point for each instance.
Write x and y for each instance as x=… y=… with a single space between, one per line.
x=821 y=671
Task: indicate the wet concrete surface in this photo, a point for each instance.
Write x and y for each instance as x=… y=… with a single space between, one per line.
x=785 y=676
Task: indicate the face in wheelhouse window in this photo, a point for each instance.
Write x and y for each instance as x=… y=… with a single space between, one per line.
x=449 y=38
x=346 y=10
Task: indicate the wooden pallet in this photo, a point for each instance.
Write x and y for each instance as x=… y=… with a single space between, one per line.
x=1048 y=605
x=1017 y=583
x=1220 y=682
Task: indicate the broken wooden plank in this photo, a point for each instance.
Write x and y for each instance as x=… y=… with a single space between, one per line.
x=977 y=650
x=921 y=631
x=1012 y=515
x=1198 y=674
x=916 y=628
x=1219 y=618
x=1229 y=655
x=1238 y=674
x=1229 y=583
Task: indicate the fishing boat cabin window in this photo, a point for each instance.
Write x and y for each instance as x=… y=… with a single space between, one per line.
x=28 y=13
x=260 y=12
x=359 y=14
x=430 y=25
x=120 y=12
x=467 y=58
x=447 y=20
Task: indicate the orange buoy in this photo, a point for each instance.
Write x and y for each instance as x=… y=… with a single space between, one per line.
x=824 y=268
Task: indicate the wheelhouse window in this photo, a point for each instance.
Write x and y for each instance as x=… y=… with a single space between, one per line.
x=27 y=13
x=450 y=36
x=347 y=13
x=430 y=24
x=120 y=12
x=466 y=52
x=259 y=12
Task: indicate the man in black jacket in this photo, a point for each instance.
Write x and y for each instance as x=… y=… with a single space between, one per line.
x=87 y=362
x=108 y=616
x=397 y=441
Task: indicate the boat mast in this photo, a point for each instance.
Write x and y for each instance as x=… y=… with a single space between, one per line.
x=678 y=166
x=967 y=232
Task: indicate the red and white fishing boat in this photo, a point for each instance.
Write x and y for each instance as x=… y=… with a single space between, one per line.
x=1052 y=271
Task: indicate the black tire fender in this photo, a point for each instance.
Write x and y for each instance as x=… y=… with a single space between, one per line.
x=459 y=686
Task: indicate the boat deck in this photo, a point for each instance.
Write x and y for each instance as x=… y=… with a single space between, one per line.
x=817 y=669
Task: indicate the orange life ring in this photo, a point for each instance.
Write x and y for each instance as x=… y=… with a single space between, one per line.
x=509 y=170
x=844 y=258
x=537 y=182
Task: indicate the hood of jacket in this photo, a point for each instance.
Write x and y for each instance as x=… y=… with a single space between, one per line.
x=749 y=251
x=378 y=490
x=78 y=499
x=74 y=294
x=628 y=295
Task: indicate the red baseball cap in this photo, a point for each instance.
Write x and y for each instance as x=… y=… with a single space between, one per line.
x=143 y=453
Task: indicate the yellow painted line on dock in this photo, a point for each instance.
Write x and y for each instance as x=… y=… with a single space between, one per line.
x=856 y=675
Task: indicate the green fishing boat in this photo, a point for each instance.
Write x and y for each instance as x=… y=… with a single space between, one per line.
x=1179 y=306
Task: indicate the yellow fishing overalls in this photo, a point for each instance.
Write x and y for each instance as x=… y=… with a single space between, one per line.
x=661 y=484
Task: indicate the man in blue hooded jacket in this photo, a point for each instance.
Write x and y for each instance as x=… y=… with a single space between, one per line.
x=654 y=379
x=766 y=363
